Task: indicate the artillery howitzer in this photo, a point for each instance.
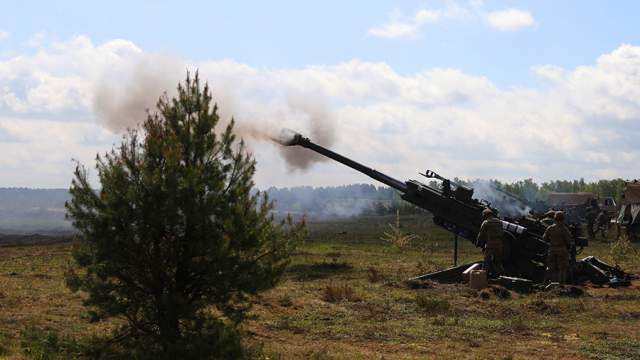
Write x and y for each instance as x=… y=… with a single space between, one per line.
x=454 y=208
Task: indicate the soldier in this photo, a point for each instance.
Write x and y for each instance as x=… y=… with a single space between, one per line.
x=490 y=236
x=590 y=215
x=446 y=187
x=602 y=224
x=560 y=242
x=547 y=220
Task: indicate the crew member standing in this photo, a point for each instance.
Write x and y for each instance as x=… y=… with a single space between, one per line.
x=547 y=220
x=491 y=237
x=560 y=242
x=602 y=224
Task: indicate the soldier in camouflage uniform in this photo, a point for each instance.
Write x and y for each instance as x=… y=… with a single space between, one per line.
x=560 y=242
x=547 y=220
x=602 y=224
x=491 y=237
x=590 y=215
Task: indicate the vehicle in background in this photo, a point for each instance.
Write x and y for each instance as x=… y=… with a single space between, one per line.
x=574 y=205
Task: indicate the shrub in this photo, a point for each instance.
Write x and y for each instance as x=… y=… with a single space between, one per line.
x=41 y=344
x=621 y=250
x=345 y=292
x=285 y=301
x=373 y=275
x=396 y=236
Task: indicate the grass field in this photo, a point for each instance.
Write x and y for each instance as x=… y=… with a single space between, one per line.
x=343 y=297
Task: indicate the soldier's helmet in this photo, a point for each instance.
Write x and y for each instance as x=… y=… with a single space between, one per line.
x=486 y=213
x=559 y=216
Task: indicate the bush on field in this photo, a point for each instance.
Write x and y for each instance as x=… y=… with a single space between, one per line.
x=176 y=230
x=374 y=275
x=339 y=293
x=49 y=345
x=395 y=235
x=621 y=250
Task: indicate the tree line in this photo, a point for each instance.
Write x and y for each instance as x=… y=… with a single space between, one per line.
x=367 y=199
x=530 y=190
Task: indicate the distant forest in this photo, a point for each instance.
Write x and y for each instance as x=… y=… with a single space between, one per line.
x=529 y=190
x=42 y=211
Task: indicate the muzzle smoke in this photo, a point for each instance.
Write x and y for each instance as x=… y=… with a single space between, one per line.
x=126 y=93
x=287 y=137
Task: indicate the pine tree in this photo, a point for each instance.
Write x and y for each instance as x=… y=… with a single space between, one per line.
x=176 y=233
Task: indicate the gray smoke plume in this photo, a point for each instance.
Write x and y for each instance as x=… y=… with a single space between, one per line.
x=315 y=113
x=125 y=93
x=507 y=204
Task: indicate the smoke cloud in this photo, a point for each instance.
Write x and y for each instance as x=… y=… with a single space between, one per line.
x=124 y=94
x=261 y=105
x=315 y=113
x=508 y=205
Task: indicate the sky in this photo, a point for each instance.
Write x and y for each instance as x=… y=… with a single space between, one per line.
x=473 y=89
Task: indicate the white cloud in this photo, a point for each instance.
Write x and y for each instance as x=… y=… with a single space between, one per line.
x=37 y=39
x=394 y=30
x=39 y=153
x=584 y=122
x=3 y=35
x=510 y=19
x=59 y=77
x=549 y=72
x=399 y=26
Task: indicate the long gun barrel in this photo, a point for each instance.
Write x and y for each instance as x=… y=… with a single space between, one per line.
x=376 y=175
x=456 y=210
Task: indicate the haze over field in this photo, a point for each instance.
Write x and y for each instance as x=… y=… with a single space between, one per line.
x=42 y=211
x=470 y=89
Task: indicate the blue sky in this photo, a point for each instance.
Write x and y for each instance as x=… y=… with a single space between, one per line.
x=473 y=88
x=277 y=34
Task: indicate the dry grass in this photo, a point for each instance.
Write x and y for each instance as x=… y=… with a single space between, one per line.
x=432 y=305
x=333 y=294
x=332 y=305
